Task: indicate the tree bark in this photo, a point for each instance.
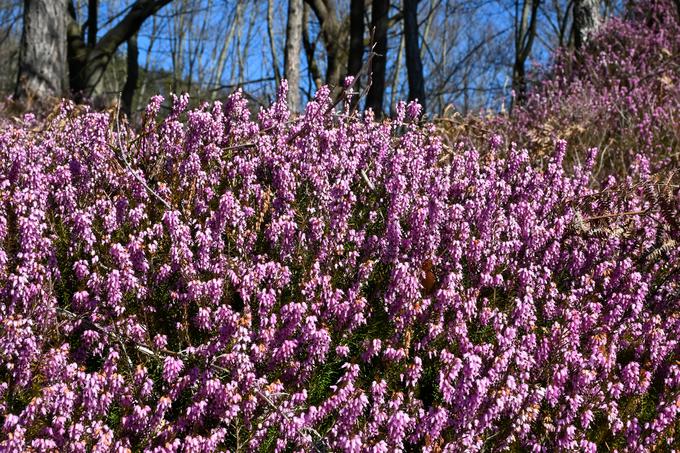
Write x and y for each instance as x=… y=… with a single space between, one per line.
x=310 y=49
x=356 y=37
x=334 y=38
x=396 y=74
x=586 y=20
x=132 y=76
x=272 y=43
x=216 y=79
x=519 y=83
x=92 y=23
x=376 y=93
x=414 y=65
x=42 y=54
x=525 y=32
x=355 y=58
x=292 y=53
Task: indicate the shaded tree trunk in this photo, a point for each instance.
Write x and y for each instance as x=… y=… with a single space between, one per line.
x=42 y=54
x=525 y=32
x=132 y=76
x=356 y=44
x=272 y=43
x=376 y=93
x=334 y=38
x=396 y=74
x=334 y=66
x=356 y=37
x=310 y=48
x=519 y=82
x=414 y=65
x=92 y=23
x=586 y=20
x=292 y=53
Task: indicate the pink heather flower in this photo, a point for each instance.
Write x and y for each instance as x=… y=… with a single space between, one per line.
x=413 y=111
x=172 y=368
x=160 y=341
x=342 y=351
x=348 y=81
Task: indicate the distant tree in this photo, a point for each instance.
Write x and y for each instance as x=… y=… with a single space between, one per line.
x=334 y=36
x=292 y=53
x=526 y=18
x=54 y=55
x=357 y=29
x=221 y=48
x=272 y=41
x=313 y=69
x=10 y=19
x=586 y=20
x=132 y=76
x=379 y=23
x=414 y=65
x=87 y=64
x=42 y=54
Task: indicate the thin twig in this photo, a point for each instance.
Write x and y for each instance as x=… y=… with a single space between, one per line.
x=368 y=181
x=127 y=164
x=365 y=70
x=616 y=214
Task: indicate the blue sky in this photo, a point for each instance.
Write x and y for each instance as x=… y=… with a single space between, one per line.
x=213 y=25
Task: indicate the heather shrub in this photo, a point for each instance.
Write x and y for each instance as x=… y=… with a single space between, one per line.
x=213 y=281
x=621 y=94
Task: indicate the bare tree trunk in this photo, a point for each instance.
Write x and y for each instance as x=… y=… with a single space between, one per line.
x=396 y=74
x=177 y=43
x=428 y=25
x=195 y=54
x=376 y=93
x=334 y=36
x=292 y=54
x=525 y=32
x=92 y=24
x=586 y=20
x=238 y=67
x=132 y=76
x=42 y=54
x=519 y=84
x=357 y=27
x=242 y=51
x=310 y=48
x=147 y=63
x=334 y=62
x=356 y=37
x=414 y=65
x=270 y=33
x=216 y=79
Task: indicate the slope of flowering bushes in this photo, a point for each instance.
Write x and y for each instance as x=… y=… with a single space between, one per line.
x=620 y=94
x=216 y=282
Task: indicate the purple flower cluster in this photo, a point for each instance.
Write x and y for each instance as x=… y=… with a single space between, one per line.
x=327 y=282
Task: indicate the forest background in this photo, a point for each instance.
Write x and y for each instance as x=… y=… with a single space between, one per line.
x=466 y=55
